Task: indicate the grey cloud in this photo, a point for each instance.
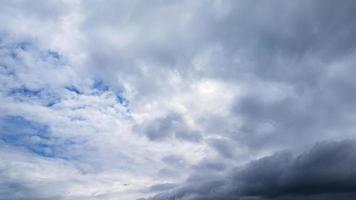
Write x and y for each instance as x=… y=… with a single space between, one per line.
x=174 y=160
x=174 y=166
x=293 y=44
x=300 y=45
x=308 y=115
x=299 y=28
x=223 y=147
x=162 y=187
x=304 y=50
x=171 y=125
x=305 y=46
x=168 y=172
x=44 y=10
x=22 y=190
x=207 y=170
x=15 y=192
x=326 y=171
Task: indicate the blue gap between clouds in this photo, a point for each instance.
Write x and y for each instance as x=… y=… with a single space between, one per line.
x=5 y=70
x=100 y=86
x=25 y=92
x=74 y=89
x=42 y=95
x=13 y=49
x=32 y=136
x=53 y=57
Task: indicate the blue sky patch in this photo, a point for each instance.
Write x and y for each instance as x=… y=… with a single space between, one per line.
x=31 y=136
x=121 y=99
x=20 y=132
x=53 y=54
x=43 y=96
x=74 y=89
x=52 y=57
x=100 y=86
x=5 y=70
x=24 y=45
x=26 y=92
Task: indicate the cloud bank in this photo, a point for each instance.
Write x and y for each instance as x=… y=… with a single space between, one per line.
x=326 y=171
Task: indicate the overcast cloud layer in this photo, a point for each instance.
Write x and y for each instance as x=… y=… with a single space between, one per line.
x=177 y=100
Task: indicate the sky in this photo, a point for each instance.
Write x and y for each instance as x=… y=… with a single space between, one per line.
x=177 y=100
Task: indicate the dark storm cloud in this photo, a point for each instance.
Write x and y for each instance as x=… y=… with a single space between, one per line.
x=326 y=171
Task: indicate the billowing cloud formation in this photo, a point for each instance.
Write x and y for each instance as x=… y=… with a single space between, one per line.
x=129 y=99
x=327 y=171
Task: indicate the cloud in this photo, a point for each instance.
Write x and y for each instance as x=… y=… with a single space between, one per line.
x=171 y=125
x=223 y=147
x=138 y=95
x=326 y=171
